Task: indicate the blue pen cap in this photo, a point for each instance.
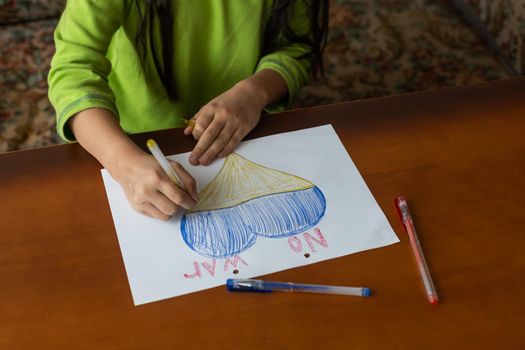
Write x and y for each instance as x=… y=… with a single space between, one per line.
x=366 y=292
x=246 y=285
x=229 y=284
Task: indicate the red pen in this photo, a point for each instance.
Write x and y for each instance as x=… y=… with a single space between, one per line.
x=406 y=220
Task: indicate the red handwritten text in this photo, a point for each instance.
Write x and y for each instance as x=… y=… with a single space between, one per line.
x=312 y=240
x=210 y=267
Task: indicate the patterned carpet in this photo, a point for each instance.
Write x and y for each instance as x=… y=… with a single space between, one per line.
x=375 y=48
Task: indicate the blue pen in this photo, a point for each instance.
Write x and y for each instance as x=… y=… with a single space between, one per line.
x=250 y=285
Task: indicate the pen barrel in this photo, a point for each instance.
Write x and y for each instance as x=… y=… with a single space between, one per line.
x=315 y=288
x=163 y=162
x=421 y=263
x=173 y=177
x=252 y=285
x=417 y=252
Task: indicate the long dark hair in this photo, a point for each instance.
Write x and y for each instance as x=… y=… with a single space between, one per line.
x=277 y=33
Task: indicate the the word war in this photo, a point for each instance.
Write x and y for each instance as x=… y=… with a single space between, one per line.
x=209 y=268
x=313 y=241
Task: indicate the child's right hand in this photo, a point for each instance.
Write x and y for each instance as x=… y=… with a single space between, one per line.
x=147 y=187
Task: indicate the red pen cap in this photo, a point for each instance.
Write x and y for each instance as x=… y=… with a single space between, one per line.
x=398 y=201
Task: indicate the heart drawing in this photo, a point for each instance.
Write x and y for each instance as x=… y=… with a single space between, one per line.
x=246 y=200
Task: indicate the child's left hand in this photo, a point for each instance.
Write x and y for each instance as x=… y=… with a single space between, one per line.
x=224 y=121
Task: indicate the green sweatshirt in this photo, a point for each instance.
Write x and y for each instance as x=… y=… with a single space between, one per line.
x=216 y=44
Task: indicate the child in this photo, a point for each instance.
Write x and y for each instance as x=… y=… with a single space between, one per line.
x=129 y=66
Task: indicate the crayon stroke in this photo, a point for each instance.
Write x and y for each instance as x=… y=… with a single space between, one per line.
x=246 y=200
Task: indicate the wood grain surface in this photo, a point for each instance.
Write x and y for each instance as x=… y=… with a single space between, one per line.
x=457 y=155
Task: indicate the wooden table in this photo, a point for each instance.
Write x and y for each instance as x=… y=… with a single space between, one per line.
x=457 y=154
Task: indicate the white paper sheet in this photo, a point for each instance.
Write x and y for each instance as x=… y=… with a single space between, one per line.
x=160 y=264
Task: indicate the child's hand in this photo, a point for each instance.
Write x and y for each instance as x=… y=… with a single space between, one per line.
x=145 y=184
x=148 y=188
x=222 y=123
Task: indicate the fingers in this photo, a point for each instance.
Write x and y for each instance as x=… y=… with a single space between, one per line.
x=153 y=203
x=176 y=195
x=205 y=129
x=163 y=203
x=149 y=209
x=169 y=196
x=188 y=181
x=222 y=123
x=188 y=130
x=190 y=123
x=232 y=144
x=218 y=145
x=154 y=194
x=202 y=120
x=226 y=124
x=163 y=209
x=211 y=144
x=208 y=138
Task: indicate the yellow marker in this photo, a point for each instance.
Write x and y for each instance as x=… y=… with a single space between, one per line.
x=189 y=122
x=163 y=162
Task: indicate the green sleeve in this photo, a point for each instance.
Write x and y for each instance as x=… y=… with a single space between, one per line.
x=287 y=60
x=78 y=78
